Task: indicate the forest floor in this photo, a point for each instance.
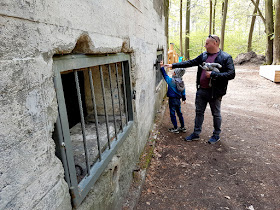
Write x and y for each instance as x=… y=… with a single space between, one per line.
x=242 y=171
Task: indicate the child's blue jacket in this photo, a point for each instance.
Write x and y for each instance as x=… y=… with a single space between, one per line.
x=172 y=91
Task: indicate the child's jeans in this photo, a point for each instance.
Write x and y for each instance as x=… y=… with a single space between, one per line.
x=175 y=106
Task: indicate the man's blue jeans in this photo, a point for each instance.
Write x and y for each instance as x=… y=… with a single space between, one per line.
x=204 y=96
x=175 y=106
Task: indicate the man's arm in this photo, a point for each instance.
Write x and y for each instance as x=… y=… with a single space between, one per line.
x=189 y=63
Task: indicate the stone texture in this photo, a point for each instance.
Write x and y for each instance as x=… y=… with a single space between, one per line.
x=31 y=176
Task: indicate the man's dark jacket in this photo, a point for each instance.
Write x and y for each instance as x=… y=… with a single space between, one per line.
x=219 y=79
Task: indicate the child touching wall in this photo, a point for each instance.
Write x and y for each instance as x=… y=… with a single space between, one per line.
x=175 y=92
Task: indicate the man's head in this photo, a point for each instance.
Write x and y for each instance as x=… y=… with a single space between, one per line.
x=212 y=44
x=179 y=72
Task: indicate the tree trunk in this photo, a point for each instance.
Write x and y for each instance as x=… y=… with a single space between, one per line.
x=187 y=38
x=181 y=32
x=224 y=24
x=166 y=4
x=249 y=48
x=214 y=16
x=269 y=30
x=223 y=5
x=276 y=42
x=210 y=18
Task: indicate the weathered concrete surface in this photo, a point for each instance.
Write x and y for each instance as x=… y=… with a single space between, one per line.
x=31 y=176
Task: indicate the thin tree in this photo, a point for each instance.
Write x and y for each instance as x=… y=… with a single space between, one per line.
x=214 y=16
x=276 y=42
x=210 y=17
x=249 y=48
x=187 y=38
x=181 y=30
x=167 y=7
x=269 y=30
x=224 y=24
x=259 y=11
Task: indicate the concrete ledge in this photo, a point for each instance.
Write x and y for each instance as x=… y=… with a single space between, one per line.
x=271 y=72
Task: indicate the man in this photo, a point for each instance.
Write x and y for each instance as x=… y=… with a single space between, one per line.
x=212 y=93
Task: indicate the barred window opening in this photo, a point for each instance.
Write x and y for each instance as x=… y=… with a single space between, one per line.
x=158 y=73
x=95 y=110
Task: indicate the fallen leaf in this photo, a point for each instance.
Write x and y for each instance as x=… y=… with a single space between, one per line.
x=251 y=207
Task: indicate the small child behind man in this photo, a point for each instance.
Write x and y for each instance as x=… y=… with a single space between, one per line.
x=176 y=91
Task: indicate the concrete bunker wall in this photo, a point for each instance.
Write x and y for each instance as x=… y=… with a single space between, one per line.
x=31 y=176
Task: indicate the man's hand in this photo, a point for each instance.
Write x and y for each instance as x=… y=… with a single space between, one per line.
x=168 y=65
x=165 y=65
x=184 y=102
x=208 y=73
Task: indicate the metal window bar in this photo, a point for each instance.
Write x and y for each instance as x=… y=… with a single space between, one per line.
x=95 y=112
x=113 y=107
x=82 y=120
x=129 y=94
x=119 y=94
x=124 y=92
x=68 y=63
x=105 y=107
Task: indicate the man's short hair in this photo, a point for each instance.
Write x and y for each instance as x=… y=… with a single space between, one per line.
x=215 y=37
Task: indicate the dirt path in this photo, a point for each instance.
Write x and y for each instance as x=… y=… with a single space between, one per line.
x=242 y=171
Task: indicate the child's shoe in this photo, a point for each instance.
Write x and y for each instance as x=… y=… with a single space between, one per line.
x=184 y=130
x=173 y=130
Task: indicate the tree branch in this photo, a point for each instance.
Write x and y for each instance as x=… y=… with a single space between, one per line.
x=260 y=13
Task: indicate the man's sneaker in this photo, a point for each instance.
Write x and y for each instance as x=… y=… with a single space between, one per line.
x=184 y=130
x=214 y=139
x=173 y=130
x=192 y=137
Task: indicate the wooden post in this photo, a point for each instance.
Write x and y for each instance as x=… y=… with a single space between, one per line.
x=173 y=57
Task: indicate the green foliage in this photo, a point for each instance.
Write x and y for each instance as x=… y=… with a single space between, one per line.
x=197 y=42
x=237 y=26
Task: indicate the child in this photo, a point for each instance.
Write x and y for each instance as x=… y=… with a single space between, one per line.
x=176 y=91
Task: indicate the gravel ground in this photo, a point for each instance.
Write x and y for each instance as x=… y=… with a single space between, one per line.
x=239 y=172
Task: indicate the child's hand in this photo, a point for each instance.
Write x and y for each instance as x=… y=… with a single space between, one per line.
x=161 y=64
